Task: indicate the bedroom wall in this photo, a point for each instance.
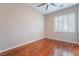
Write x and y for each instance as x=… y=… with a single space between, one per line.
x=78 y=24
x=62 y=36
x=19 y=24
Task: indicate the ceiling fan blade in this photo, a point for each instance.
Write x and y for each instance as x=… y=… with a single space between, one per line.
x=41 y=4
x=47 y=7
x=53 y=4
x=61 y=5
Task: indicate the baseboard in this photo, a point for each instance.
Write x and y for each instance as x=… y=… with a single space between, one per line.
x=20 y=45
x=62 y=40
x=36 y=40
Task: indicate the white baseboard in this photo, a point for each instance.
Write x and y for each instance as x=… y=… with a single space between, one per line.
x=36 y=40
x=20 y=45
x=62 y=40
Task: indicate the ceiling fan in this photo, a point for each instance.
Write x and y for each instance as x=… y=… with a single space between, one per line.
x=47 y=4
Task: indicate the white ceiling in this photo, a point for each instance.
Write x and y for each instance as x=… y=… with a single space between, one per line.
x=51 y=8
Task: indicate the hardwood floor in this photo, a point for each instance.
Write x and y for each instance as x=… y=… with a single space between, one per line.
x=44 y=47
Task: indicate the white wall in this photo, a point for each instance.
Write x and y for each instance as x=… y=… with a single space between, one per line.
x=19 y=24
x=78 y=24
x=62 y=36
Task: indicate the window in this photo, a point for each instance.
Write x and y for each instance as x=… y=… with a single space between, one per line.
x=64 y=23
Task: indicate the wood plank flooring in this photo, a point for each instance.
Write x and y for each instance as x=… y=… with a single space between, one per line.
x=44 y=47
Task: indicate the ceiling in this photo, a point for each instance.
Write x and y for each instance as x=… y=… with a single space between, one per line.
x=51 y=8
